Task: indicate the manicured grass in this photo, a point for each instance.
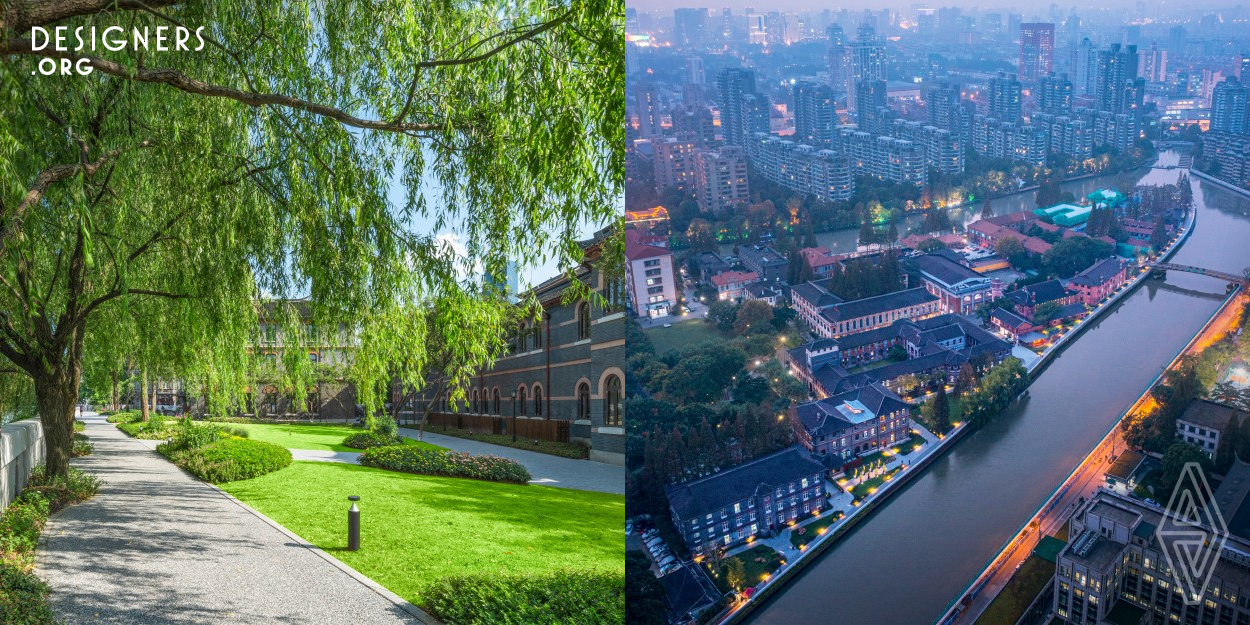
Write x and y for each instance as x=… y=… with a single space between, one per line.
x=866 y=488
x=1010 y=604
x=307 y=436
x=417 y=529
x=682 y=335
x=552 y=448
x=755 y=571
x=812 y=529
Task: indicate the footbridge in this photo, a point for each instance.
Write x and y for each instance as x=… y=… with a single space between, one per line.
x=1242 y=279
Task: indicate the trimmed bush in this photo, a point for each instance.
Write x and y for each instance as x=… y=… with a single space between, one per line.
x=79 y=426
x=413 y=459
x=124 y=416
x=369 y=440
x=228 y=459
x=581 y=597
x=156 y=429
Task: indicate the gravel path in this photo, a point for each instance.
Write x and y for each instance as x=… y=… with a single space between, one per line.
x=157 y=546
x=547 y=470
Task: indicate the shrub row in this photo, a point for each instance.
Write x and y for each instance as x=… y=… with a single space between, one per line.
x=369 y=440
x=79 y=426
x=228 y=459
x=561 y=598
x=124 y=416
x=23 y=596
x=156 y=428
x=413 y=459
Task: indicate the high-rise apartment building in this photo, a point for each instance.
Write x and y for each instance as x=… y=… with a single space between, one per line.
x=815 y=117
x=1229 y=101
x=690 y=27
x=1037 y=51
x=1004 y=98
x=720 y=179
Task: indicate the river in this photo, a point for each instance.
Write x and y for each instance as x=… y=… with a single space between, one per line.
x=907 y=561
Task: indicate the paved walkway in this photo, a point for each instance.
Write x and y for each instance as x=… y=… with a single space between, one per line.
x=547 y=470
x=158 y=547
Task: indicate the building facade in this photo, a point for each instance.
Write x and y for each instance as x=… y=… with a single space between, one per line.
x=649 y=279
x=567 y=365
x=741 y=503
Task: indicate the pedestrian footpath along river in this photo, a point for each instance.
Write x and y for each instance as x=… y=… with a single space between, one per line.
x=905 y=563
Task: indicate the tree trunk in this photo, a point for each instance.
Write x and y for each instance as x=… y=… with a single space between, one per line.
x=113 y=406
x=143 y=396
x=152 y=400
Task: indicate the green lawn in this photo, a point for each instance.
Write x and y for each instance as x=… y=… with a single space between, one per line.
x=683 y=334
x=867 y=487
x=755 y=571
x=307 y=436
x=1024 y=586
x=812 y=529
x=416 y=529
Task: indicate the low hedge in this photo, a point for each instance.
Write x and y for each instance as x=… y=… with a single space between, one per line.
x=227 y=459
x=413 y=459
x=561 y=598
x=156 y=428
x=23 y=596
x=79 y=426
x=124 y=416
x=369 y=440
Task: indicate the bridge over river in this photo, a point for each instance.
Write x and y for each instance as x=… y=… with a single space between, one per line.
x=905 y=563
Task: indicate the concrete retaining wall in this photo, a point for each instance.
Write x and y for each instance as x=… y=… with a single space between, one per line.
x=21 y=450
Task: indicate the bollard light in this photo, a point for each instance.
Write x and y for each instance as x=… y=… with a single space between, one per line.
x=353 y=524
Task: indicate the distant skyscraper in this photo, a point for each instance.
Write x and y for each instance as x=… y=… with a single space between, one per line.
x=1153 y=64
x=867 y=63
x=674 y=163
x=1055 y=95
x=815 y=120
x=732 y=87
x=942 y=102
x=1229 y=100
x=689 y=27
x=1243 y=66
x=1084 y=67
x=648 y=110
x=1037 y=51
x=1005 y=96
x=1116 y=67
x=694 y=70
x=839 y=58
x=1176 y=40
x=509 y=281
x=720 y=179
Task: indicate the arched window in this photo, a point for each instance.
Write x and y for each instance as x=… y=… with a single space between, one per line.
x=612 y=401
x=523 y=338
x=476 y=397
x=583 y=401
x=538 y=332
x=538 y=400
x=497 y=401
x=583 y=321
x=520 y=401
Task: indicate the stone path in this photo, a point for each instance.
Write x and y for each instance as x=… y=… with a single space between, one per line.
x=158 y=547
x=547 y=470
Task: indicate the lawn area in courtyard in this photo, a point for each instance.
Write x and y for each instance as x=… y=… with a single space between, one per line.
x=812 y=529
x=682 y=335
x=307 y=435
x=416 y=529
x=755 y=570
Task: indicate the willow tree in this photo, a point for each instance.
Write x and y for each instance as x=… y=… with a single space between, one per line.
x=309 y=149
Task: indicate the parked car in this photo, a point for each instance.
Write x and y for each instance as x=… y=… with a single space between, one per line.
x=665 y=570
x=666 y=561
x=629 y=527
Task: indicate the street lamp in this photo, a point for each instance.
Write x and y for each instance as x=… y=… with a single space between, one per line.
x=513 y=398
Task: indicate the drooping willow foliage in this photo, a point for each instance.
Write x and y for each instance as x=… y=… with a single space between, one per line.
x=310 y=150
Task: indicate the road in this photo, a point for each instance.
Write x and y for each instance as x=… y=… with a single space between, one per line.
x=1087 y=477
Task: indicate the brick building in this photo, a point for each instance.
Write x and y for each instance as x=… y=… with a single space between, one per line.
x=827 y=315
x=568 y=365
x=841 y=427
x=755 y=498
x=1099 y=280
x=959 y=288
